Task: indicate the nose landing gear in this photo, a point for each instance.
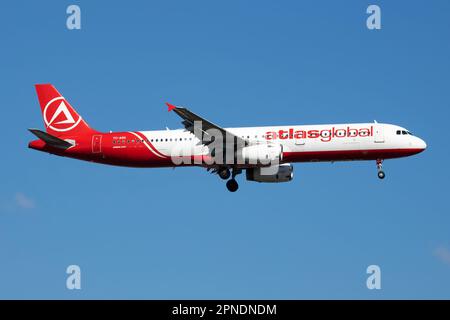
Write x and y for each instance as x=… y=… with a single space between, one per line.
x=381 y=173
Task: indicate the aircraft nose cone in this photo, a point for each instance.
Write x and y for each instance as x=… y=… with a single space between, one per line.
x=421 y=144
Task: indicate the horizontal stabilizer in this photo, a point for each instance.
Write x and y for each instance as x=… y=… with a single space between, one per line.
x=51 y=140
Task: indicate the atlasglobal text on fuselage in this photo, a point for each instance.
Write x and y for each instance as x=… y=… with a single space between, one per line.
x=325 y=135
x=265 y=153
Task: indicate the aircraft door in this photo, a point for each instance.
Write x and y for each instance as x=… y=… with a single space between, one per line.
x=378 y=134
x=96 y=143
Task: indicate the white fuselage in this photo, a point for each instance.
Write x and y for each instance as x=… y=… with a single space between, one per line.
x=333 y=142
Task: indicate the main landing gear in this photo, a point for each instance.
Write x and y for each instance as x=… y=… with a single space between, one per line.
x=381 y=173
x=224 y=173
x=232 y=184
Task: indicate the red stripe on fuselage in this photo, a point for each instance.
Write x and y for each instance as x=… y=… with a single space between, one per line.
x=143 y=137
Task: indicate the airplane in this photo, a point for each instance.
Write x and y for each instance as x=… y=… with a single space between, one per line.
x=265 y=153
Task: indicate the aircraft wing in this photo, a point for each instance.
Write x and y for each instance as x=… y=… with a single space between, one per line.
x=188 y=121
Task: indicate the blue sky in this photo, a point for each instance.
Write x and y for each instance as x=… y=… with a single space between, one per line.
x=164 y=233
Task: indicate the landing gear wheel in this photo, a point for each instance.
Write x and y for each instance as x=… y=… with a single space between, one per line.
x=381 y=174
x=224 y=173
x=232 y=185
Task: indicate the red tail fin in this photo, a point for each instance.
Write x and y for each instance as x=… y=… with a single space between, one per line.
x=60 y=118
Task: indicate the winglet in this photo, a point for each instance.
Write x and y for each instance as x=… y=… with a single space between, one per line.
x=170 y=107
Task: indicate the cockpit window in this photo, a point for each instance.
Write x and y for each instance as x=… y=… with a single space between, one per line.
x=404 y=132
